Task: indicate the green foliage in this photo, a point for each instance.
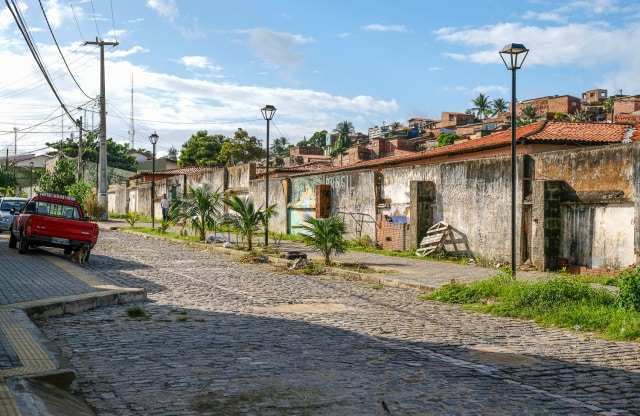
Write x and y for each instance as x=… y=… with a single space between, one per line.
x=280 y=147
x=136 y=312
x=447 y=139
x=580 y=116
x=482 y=106
x=344 y=129
x=242 y=148
x=498 y=105
x=165 y=224
x=7 y=180
x=202 y=149
x=325 y=235
x=629 y=294
x=527 y=115
x=93 y=208
x=556 y=302
x=80 y=191
x=200 y=209
x=118 y=155
x=64 y=175
x=246 y=218
x=132 y=217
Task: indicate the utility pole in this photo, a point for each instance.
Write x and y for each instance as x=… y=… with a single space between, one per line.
x=79 y=122
x=102 y=161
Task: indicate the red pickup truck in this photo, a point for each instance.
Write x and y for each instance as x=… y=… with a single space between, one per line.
x=52 y=220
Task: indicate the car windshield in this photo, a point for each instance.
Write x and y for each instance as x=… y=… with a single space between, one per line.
x=8 y=204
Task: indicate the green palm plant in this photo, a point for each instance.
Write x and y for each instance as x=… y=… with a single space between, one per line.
x=201 y=209
x=325 y=235
x=499 y=105
x=482 y=104
x=246 y=218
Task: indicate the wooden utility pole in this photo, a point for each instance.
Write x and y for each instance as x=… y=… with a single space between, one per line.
x=102 y=161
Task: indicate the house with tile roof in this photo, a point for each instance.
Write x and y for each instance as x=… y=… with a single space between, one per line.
x=577 y=203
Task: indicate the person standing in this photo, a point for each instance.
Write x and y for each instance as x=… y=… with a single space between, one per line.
x=164 y=204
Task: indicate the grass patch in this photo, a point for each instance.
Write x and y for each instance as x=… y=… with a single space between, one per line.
x=559 y=302
x=136 y=312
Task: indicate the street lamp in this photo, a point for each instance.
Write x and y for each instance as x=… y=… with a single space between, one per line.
x=267 y=112
x=513 y=56
x=153 y=139
x=31 y=178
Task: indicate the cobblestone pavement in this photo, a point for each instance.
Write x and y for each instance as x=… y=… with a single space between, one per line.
x=228 y=338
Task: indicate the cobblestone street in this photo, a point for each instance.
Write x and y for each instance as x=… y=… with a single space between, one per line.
x=229 y=338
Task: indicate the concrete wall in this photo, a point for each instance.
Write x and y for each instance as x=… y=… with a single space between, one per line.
x=473 y=196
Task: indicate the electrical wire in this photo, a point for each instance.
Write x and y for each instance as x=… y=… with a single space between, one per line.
x=24 y=30
x=73 y=10
x=113 y=21
x=59 y=50
x=95 y=20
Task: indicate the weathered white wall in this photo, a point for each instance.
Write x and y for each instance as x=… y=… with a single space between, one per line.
x=598 y=236
x=474 y=197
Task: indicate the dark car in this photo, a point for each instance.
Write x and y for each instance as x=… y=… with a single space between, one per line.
x=6 y=203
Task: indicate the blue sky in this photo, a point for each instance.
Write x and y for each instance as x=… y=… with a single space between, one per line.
x=212 y=65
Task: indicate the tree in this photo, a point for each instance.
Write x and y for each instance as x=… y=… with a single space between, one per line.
x=344 y=129
x=395 y=125
x=580 y=116
x=64 y=175
x=172 y=153
x=242 y=148
x=498 y=106
x=280 y=147
x=246 y=218
x=201 y=209
x=201 y=149
x=528 y=115
x=608 y=107
x=325 y=235
x=446 y=139
x=319 y=139
x=7 y=180
x=118 y=155
x=481 y=105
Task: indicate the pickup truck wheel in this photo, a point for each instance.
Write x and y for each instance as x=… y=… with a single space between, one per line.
x=23 y=245
x=13 y=243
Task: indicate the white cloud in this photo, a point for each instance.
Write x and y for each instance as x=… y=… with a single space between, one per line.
x=384 y=28
x=198 y=62
x=164 y=8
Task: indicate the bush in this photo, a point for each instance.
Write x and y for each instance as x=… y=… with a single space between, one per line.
x=132 y=217
x=629 y=294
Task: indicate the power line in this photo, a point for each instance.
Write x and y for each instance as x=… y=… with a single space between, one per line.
x=24 y=30
x=59 y=50
x=73 y=10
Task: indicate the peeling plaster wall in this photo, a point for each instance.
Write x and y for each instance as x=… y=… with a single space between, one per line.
x=598 y=237
x=589 y=169
x=353 y=195
x=474 y=197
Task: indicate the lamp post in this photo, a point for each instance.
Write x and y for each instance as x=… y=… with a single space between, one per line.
x=513 y=56
x=153 y=139
x=267 y=112
x=31 y=178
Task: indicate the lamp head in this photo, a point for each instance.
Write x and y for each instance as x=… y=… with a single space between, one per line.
x=268 y=111
x=154 y=138
x=513 y=55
